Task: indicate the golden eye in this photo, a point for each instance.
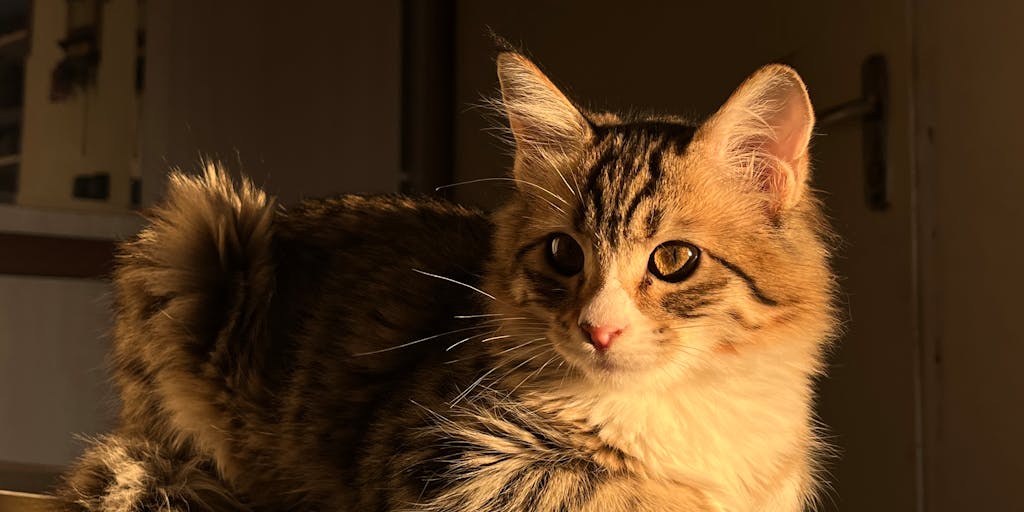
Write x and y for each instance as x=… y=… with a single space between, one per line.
x=564 y=255
x=674 y=261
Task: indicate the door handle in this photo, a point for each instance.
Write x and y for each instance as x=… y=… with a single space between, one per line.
x=872 y=110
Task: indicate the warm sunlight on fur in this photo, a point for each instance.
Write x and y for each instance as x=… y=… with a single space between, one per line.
x=637 y=329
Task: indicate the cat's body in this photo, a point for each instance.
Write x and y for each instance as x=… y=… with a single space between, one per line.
x=366 y=353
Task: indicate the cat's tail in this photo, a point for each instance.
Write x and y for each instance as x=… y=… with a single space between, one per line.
x=197 y=282
x=208 y=244
x=124 y=473
x=192 y=295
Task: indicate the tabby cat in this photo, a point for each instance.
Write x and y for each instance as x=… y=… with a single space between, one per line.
x=643 y=336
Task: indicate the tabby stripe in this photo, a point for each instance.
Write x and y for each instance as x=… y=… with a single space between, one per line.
x=507 y=493
x=654 y=173
x=695 y=296
x=743 y=322
x=588 y=487
x=617 y=190
x=751 y=284
x=685 y=305
x=529 y=247
x=546 y=287
x=596 y=196
x=536 y=492
x=136 y=369
x=539 y=438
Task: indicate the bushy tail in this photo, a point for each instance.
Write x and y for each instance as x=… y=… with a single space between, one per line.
x=192 y=294
x=129 y=474
x=205 y=261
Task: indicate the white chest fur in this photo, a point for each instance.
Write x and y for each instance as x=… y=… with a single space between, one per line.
x=740 y=433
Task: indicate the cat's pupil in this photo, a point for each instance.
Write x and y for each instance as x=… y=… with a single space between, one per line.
x=564 y=255
x=674 y=261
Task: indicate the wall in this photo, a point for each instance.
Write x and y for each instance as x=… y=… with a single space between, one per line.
x=971 y=180
x=52 y=348
x=92 y=131
x=305 y=96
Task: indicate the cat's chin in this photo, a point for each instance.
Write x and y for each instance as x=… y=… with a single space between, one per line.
x=603 y=366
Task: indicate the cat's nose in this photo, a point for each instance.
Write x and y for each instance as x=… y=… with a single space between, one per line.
x=601 y=336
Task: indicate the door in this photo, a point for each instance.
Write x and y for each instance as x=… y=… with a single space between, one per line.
x=685 y=58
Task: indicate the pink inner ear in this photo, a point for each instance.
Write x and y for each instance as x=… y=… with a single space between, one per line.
x=763 y=131
x=791 y=127
x=786 y=173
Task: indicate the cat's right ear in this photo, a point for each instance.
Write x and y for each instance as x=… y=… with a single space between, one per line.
x=544 y=123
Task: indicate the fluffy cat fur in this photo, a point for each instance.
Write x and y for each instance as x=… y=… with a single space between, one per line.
x=365 y=353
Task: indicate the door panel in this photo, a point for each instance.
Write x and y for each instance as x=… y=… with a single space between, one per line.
x=685 y=58
x=969 y=117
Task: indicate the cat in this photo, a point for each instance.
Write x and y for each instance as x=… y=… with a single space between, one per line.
x=639 y=328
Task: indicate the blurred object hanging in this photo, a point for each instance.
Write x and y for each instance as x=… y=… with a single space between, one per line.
x=81 y=50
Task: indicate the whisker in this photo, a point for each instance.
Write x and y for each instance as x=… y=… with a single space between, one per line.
x=688 y=326
x=507 y=350
x=463 y=340
x=516 y=180
x=525 y=332
x=492 y=338
x=409 y=344
x=460 y=283
x=535 y=372
x=475 y=383
x=499 y=320
x=523 y=363
x=575 y=192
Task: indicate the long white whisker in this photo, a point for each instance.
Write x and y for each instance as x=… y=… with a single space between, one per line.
x=535 y=372
x=463 y=340
x=428 y=338
x=460 y=283
x=516 y=180
x=471 y=387
x=523 y=363
x=560 y=175
x=492 y=338
x=507 y=350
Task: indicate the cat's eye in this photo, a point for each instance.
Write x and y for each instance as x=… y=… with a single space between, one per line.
x=564 y=255
x=674 y=261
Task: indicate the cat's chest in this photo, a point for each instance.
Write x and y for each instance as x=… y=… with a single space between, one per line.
x=727 y=446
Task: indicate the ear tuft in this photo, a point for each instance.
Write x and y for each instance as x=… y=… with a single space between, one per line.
x=764 y=131
x=543 y=121
x=501 y=45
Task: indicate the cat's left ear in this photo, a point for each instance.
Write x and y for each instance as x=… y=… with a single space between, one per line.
x=546 y=125
x=763 y=132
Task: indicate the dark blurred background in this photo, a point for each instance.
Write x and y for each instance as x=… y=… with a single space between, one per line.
x=921 y=114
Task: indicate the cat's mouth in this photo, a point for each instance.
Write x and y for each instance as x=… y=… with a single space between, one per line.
x=614 y=361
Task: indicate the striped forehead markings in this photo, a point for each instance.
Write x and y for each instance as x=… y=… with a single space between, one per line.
x=628 y=152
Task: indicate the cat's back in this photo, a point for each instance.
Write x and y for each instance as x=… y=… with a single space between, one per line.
x=267 y=336
x=367 y=275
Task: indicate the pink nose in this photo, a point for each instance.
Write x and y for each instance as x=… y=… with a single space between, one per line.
x=601 y=336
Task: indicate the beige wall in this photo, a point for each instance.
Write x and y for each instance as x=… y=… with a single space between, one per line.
x=53 y=378
x=972 y=181
x=93 y=131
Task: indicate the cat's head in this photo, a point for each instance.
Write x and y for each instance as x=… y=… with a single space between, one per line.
x=648 y=249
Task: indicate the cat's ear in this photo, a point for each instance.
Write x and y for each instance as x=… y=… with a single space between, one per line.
x=763 y=132
x=543 y=121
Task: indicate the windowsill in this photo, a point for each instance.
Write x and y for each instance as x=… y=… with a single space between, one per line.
x=69 y=223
